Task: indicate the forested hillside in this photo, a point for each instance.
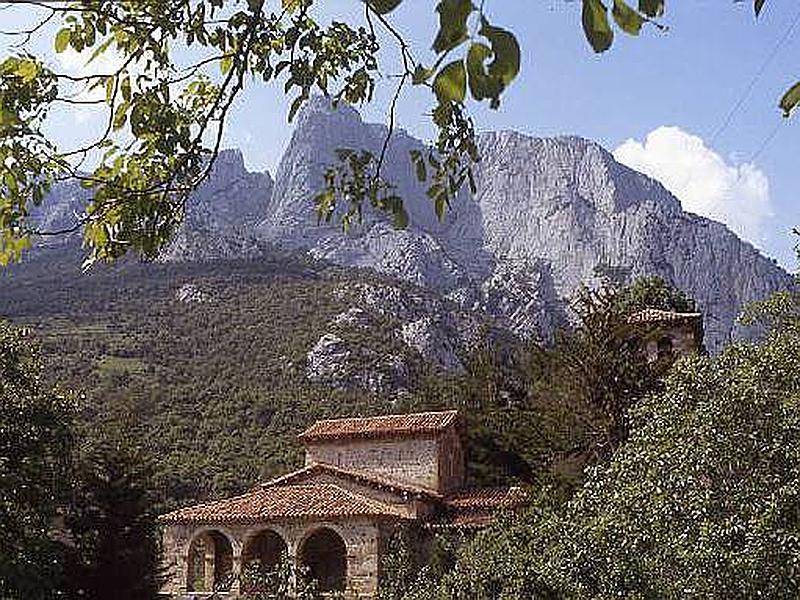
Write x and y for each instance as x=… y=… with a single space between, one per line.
x=205 y=363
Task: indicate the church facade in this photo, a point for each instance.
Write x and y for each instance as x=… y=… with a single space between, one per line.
x=363 y=477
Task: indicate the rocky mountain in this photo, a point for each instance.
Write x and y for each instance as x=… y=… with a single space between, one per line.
x=547 y=215
x=220 y=220
x=222 y=217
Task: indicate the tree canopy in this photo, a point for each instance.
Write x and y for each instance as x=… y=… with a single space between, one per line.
x=35 y=469
x=166 y=116
x=700 y=502
x=74 y=523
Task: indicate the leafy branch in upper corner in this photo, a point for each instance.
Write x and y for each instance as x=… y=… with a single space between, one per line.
x=600 y=34
x=165 y=117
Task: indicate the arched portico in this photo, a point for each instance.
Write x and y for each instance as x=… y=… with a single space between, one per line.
x=210 y=562
x=262 y=554
x=265 y=547
x=324 y=553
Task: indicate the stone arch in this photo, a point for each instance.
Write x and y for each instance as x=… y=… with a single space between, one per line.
x=324 y=553
x=263 y=549
x=210 y=561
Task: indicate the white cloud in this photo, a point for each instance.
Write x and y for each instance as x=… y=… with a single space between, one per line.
x=735 y=194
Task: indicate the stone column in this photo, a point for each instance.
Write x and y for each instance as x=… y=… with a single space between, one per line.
x=208 y=567
x=181 y=578
x=236 y=570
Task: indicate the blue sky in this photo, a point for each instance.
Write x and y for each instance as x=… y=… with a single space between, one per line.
x=677 y=87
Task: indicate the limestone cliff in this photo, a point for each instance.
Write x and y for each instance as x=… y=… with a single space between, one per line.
x=548 y=212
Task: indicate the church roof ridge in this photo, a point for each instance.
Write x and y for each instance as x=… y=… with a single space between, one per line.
x=380 y=426
x=355 y=475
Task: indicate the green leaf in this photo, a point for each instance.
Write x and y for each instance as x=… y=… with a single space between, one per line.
x=109 y=89
x=225 y=64
x=400 y=218
x=296 y=104
x=489 y=82
x=125 y=88
x=450 y=84
x=758 y=6
x=481 y=85
x=439 y=195
x=121 y=115
x=790 y=100
x=652 y=8
x=596 y=26
x=419 y=165
x=507 y=54
x=291 y=5
x=100 y=49
x=326 y=201
x=383 y=7
x=7 y=118
x=26 y=69
x=62 y=40
x=453 y=15
x=628 y=19
x=421 y=75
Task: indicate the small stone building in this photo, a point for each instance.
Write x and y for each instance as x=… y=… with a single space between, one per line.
x=362 y=478
x=673 y=333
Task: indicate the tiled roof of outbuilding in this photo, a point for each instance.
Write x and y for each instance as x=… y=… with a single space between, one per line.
x=314 y=501
x=486 y=498
x=479 y=507
x=362 y=477
x=653 y=315
x=384 y=426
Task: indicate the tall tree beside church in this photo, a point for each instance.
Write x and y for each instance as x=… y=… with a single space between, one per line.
x=111 y=521
x=35 y=470
x=585 y=385
x=653 y=292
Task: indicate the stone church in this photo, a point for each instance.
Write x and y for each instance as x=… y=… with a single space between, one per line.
x=362 y=478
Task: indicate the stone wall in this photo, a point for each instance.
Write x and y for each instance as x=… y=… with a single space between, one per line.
x=362 y=539
x=683 y=339
x=413 y=461
x=451 y=461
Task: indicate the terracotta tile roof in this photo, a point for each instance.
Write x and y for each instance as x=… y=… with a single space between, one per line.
x=653 y=315
x=465 y=520
x=323 y=500
x=486 y=498
x=384 y=426
x=478 y=508
x=362 y=477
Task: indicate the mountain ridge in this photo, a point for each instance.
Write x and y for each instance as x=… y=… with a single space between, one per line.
x=548 y=216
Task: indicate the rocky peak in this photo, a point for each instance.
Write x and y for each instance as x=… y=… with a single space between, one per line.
x=547 y=213
x=222 y=215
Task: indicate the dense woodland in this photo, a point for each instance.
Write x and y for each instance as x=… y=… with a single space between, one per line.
x=214 y=389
